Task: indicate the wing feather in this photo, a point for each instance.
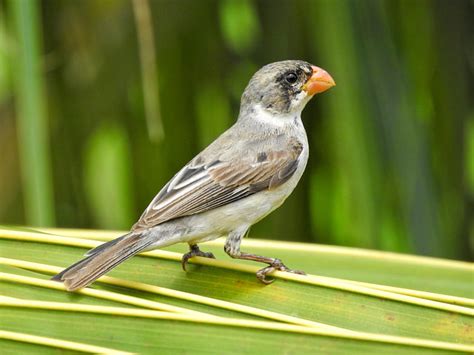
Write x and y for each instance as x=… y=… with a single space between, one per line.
x=196 y=189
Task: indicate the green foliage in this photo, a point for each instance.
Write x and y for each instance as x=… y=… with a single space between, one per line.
x=4 y=59
x=213 y=113
x=226 y=281
x=107 y=177
x=391 y=144
x=32 y=123
x=239 y=24
x=470 y=155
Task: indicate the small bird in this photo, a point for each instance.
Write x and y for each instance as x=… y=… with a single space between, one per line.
x=240 y=178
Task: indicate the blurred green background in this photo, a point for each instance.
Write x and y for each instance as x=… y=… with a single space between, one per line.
x=101 y=102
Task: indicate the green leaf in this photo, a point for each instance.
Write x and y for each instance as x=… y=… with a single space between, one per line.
x=32 y=119
x=341 y=316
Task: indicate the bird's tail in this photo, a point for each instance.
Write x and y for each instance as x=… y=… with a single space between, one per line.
x=102 y=259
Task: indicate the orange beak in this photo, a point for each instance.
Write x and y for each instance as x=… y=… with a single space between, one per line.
x=319 y=82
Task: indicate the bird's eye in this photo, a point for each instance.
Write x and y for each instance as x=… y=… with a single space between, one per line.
x=291 y=78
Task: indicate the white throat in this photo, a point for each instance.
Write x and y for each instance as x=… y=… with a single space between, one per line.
x=270 y=119
x=281 y=120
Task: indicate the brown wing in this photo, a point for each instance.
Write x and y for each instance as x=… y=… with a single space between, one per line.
x=199 y=188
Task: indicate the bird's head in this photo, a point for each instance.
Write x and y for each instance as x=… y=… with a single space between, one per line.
x=283 y=88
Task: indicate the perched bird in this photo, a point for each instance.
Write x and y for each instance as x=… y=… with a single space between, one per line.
x=245 y=174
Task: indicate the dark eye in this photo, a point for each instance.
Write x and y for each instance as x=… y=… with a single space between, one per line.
x=291 y=78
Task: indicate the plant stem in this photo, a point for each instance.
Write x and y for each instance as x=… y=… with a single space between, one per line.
x=33 y=138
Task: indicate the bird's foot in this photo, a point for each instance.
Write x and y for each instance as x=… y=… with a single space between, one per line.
x=278 y=266
x=194 y=251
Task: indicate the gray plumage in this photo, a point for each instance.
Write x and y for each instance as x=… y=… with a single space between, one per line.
x=242 y=176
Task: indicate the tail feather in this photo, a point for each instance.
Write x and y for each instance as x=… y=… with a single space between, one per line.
x=106 y=245
x=101 y=260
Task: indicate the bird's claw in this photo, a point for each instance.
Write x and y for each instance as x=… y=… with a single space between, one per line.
x=278 y=266
x=194 y=252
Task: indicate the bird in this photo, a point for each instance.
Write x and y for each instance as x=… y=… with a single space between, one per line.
x=241 y=177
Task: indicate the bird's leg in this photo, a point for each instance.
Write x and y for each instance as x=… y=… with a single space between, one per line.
x=194 y=251
x=232 y=248
x=274 y=264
